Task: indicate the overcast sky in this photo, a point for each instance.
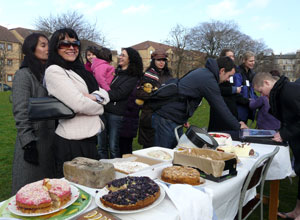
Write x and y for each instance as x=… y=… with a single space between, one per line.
x=128 y=22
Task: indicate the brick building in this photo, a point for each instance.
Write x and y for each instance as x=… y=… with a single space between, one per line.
x=189 y=59
x=10 y=55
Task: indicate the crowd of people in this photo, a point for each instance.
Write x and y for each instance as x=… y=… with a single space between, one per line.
x=114 y=105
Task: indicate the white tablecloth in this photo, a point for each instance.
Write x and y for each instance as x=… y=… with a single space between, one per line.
x=224 y=195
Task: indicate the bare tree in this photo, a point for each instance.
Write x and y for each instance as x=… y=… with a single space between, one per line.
x=70 y=19
x=3 y=55
x=183 y=59
x=212 y=37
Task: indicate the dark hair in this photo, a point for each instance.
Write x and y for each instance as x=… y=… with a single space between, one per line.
x=104 y=54
x=36 y=66
x=54 y=57
x=275 y=73
x=225 y=62
x=77 y=65
x=165 y=71
x=224 y=51
x=92 y=49
x=135 y=67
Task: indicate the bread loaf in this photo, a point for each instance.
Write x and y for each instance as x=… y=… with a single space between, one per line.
x=89 y=172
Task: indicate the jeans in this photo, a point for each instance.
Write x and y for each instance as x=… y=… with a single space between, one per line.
x=108 y=139
x=164 y=132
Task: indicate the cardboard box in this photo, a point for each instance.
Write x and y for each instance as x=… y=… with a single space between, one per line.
x=214 y=165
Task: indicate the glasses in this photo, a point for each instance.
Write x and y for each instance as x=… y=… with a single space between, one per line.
x=64 y=44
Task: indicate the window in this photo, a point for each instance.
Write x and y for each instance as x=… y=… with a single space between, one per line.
x=2 y=46
x=9 y=78
x=9 y=62
x=9 y=47
x=283 y=67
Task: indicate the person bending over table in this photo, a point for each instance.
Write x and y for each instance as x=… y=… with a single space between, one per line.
x=285 y=106
x=199 y=83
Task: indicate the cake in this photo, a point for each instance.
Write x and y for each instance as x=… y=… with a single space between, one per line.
x=89 y=172
x=241 y=150
x=181 y=174
x=129 y=166
x=131 y=193
x=43 y=196
x=160 y=154
x=223 y=139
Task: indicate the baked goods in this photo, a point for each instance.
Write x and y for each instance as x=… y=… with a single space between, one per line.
x=241 y=150
x=131 y=193
x=223 y=139
x=89 y=172
x=42 y=196
x=181 y=174
x=160 y=154
x=129 y=166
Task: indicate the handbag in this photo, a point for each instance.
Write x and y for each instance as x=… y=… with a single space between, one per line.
x=48 y=108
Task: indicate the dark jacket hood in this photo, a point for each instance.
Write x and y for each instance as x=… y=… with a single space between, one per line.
x=212 y=65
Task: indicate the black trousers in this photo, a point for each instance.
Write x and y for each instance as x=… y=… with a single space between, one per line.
x=125 y=144
x=67 y=150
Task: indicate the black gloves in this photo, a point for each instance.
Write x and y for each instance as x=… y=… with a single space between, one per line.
x=31 y=155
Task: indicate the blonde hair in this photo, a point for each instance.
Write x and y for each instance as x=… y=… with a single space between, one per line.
x=247 y=55
x=259 y=78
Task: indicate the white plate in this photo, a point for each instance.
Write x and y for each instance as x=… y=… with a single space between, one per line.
x=201 y=184
x=13 y=207
x=104 y=191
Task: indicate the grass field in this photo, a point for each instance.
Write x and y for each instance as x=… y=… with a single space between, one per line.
x=288 y=190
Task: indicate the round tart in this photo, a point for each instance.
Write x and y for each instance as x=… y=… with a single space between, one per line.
x=131 y=193
x=180 y=174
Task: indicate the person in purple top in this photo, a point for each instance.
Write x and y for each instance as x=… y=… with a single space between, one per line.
x=264 y=119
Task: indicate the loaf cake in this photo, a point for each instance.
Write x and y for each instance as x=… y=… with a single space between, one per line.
x=181 y=174
x=43 y=196
x=89 y=172
x=131 y=193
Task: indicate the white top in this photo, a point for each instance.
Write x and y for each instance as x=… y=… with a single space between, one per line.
x=69 y=87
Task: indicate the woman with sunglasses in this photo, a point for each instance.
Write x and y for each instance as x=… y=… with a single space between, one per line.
x=129 y=71
x=67 y=80
x=156 y=74
x=33 y=157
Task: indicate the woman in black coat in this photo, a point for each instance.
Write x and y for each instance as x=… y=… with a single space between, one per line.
x=130 y=70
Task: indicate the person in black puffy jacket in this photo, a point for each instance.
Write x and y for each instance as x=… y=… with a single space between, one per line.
x=199 y=83
x=128 y=73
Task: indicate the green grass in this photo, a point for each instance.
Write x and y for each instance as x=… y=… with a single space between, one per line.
x=287 y=193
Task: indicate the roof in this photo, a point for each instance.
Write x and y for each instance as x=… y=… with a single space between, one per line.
x=285 y=56
x=146 y=44
x=24 y=32
x=6 y=35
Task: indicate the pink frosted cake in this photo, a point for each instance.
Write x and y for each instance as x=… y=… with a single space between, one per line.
x=42 y=196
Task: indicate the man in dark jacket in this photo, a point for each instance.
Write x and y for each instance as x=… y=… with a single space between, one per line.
x=285 y=106
x=202 y=82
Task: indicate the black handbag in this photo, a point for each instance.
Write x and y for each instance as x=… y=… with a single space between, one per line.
x=48 y=108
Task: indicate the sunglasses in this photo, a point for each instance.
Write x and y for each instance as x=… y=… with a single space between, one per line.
x=163 y=59
x=64 y=44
